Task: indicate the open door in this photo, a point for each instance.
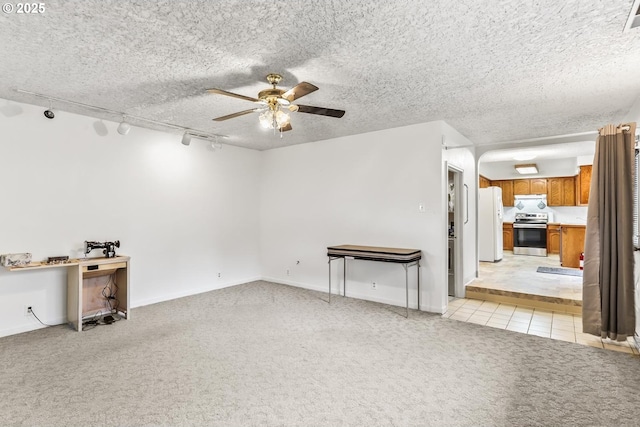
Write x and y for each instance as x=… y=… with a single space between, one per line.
x=456 y=219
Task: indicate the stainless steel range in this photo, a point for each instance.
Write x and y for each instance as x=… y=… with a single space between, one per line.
x=530 y=234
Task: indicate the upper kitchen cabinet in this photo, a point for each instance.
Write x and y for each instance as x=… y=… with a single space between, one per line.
x=538 y=185
x=484 y=182
x=521 y=186
x=583 y=185
x=561 y=191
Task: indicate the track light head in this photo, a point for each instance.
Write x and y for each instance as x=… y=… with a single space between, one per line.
x=124 y=127
x=186 y=139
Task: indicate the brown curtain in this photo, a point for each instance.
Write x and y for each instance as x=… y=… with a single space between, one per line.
x=608 y=283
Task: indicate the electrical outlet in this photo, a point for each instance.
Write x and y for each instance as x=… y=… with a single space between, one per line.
x=28 y=310
x=219 y=275
x=373 y=286
x=287 y=271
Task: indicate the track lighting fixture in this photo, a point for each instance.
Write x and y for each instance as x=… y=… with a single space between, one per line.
x=124 y=127
x=49 y=114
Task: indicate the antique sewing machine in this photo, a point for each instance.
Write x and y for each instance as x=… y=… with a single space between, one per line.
x=109 y=247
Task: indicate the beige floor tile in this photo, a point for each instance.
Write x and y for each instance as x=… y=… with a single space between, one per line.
x=539 y=333
x=462 y=317
x=498 y=325
x=457 y=302
x=488 y=308
x=587 y=337
x=466 y=310
x=524 y=310
x=563 y=326
x=520 y=322
x=621 y=348
x=475 y=303
x=478 y=320
x=541 y=323
x=447 y=314
x=596 y=344
x=539 y=327
x=563 y=316
x=523 y=317
x=542 y=318
x=505 y=309
x=500 y=316
x=563 y=335
x=517 y=327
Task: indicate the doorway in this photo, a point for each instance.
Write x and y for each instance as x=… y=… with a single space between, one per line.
x=456 y=193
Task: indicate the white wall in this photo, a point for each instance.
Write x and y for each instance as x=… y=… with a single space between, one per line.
x=362 y=189
x=182 y=213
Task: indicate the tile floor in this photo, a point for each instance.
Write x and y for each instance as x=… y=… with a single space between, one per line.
x=518 y=273
x=560 y=326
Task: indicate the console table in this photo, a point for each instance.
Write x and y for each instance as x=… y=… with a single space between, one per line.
x=83 y=277
x=406 y=257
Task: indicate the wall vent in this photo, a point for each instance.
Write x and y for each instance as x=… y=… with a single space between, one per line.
x=633 y=20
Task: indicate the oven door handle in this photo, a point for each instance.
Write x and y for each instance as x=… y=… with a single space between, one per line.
x=540 y=226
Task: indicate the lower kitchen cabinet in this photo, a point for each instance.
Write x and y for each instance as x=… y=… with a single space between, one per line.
x=507 y=236
x=572 y=244
x=553 y=238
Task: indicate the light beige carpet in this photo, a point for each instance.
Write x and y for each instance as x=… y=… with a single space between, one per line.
x=263 y=354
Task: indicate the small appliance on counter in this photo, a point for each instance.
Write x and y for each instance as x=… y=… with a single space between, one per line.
x=109 y=247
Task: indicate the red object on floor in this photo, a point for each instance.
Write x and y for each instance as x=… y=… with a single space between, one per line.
x=581 y=260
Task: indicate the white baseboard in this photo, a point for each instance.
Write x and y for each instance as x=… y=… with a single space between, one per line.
x=190 y=292
x=31 y=326
x=423 y=307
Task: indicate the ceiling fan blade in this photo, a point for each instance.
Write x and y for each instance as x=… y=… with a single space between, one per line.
x=238 y=114
x=286 y=127
x=233 y=95
x=320 y=111
x=299 y=90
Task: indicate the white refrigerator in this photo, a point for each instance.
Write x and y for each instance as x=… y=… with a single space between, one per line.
x=490 y=216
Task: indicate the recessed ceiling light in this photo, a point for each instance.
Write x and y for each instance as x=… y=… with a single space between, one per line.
x=529 y=169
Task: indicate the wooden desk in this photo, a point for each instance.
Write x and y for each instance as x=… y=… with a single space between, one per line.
x=406 y=257
x=82 y=275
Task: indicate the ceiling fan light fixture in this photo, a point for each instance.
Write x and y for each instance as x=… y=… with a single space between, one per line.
x=282 y=118
x=529 y=169
x=266 y=119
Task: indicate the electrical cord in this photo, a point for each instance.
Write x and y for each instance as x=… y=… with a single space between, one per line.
x=36 y=316
x=109 y=293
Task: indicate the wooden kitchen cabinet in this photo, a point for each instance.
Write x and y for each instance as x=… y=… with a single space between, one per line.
x=553 y=238
x=572 y=244
x=538 y=185
x=521 y=186
x=583 y=185
x=507 y=236
x=561 y=191
x=484 y=182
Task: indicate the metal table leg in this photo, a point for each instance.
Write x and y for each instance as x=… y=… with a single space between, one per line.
x=329 y=280
x=344 y=277
x=406 y=287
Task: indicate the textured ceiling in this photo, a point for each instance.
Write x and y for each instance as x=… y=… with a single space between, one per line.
x=494 y=70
